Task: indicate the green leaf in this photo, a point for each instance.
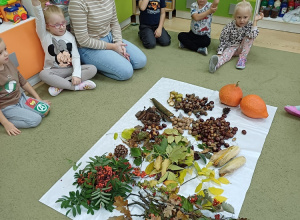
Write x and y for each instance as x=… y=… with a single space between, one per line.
x=74 y=211
x=177 y=139
x=227 y=207
x=186 y=205
x=178 y=153
x=78 y=209
x=161 y=149
x=138 y=161
x=203 y=157
x=116 y=136
x=136 y=152
x=172 y=176
x=170 y=139
x=163 y=178
x=126 y=133
x=68 y=212
x=197 y=167
x=174 y=167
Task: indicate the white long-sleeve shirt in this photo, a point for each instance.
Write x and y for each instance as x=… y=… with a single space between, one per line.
x=54 y=46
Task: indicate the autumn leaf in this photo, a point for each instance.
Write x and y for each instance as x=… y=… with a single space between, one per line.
x=163 y=178
x=164 y=166
x=117 y=218
x=177 y=139
x=174 y=167
x=178 y=153
x=126 y=133
x=119 y=202
x=153 y=183
x=223 y=180
x=158 y=162
x=182 y=216
x=182 y=174
x=197 y=167
x=168 y=211
x=220 y=198
x=215 y=191
x=149 y=168
x=171 y=139
x=198 y=188
x=175 y=199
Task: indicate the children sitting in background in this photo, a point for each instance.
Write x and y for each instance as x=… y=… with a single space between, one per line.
x=16 y=109
x=152 y=18
x=198 y=39
x=236 y=37
x=62 y=67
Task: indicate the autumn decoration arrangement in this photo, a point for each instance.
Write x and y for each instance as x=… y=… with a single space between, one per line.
x=171 y=161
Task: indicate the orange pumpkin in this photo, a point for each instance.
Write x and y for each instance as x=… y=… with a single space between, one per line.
x=254 y=106
x=231 y=94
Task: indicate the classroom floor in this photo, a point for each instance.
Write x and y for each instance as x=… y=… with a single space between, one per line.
x=267 y=38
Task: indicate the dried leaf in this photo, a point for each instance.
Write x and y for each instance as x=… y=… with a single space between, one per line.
x=121 y=217
x=168 y=211
x=167 y=182
x=119 y=202
x=153 y=183
x=158 y=162
x=164 y=166
x=175 y=199
x=215 y=191
x=182 y=216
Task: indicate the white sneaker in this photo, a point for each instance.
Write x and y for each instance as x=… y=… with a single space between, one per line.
x=86 y=85
x=54 y=91
x=213 y=63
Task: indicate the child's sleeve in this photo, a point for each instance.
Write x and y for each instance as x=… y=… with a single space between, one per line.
x=193 y=8
x=252 y=32
x=40 y=22
x=75 y=58
x=224 y=39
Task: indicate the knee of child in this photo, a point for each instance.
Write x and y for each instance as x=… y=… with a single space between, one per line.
x=42 y=75
x=34 y=122
x=150 y=45
x=126 y=74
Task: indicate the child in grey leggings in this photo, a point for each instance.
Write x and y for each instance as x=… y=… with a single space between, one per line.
x=16 y=109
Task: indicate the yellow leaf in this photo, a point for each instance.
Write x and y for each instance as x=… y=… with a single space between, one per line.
x=182 y=174
x=224 y=180
x=215 y=191
x=189 y=160
x=190 y=170
x=206 y=180
x=198 y=188
x=149 y=168
x=220 y=198
x=212 y=174
x=201 y=193
x=216 y=181
x=167 y=182
x=209 y=164
x=153 y=183
x=207 y=205
x=197 y=167
x=177 y=139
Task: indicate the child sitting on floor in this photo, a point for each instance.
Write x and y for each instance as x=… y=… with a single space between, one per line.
x=62 y=68
x=198 y=39
x=236 y=37
x=152 y=18
x=16 y=109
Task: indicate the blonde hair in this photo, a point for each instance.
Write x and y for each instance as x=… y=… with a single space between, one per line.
x=50 y=10
x=242 y=5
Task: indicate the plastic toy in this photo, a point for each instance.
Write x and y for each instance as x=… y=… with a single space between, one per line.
x=4 y=4
x=16 y=13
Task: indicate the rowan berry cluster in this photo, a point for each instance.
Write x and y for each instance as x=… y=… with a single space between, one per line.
x=216 y=202
x=137 y=172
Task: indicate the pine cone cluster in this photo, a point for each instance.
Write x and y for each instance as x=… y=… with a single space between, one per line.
x=226 y=110
x=121 y=151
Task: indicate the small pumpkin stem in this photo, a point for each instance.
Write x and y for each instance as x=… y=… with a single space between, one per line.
x=237 y=84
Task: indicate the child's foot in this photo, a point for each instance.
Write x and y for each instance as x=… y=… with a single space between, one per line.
x=86 y=85
x=213 y=63
x=181 y=45
x=202 y=50
x=241 y=64
x=293 y=110
x=54 y=91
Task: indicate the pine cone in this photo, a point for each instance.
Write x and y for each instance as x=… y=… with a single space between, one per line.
x=121 y=151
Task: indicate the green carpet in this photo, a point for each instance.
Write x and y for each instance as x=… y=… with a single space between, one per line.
x=33 y=161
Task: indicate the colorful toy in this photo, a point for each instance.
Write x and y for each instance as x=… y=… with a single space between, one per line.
x=16 y=13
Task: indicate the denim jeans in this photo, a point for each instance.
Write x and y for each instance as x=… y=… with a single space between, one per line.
x=112 y=64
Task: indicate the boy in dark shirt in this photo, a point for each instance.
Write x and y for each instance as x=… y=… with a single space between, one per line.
x=152 y=18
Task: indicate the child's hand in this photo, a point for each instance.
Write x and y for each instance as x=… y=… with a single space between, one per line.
x=46 y=101
x=76 y=80
x=213 y=9
x=157 y=32
x=11 y=129
x=259 y=16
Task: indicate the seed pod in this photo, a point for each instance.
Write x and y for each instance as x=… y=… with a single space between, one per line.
x=223 y=156
x=161 y=108
x=232 y=165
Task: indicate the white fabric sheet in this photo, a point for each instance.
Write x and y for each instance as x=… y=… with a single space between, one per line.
x=251 y=146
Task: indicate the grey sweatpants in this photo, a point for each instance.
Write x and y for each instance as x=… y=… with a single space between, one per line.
x=59 y=77
x=27 y=113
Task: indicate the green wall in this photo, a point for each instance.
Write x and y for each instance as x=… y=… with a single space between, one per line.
x=222 y=10
x=124 y=9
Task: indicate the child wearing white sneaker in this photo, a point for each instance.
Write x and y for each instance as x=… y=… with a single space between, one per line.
x=236 y=37
x=198 y=39
x=62 y=67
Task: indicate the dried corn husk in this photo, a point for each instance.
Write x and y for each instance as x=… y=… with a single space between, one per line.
x=232 y=165
x=223 y=156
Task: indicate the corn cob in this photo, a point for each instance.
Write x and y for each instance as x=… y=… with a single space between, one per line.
x=232 y=165
x=223 y=156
